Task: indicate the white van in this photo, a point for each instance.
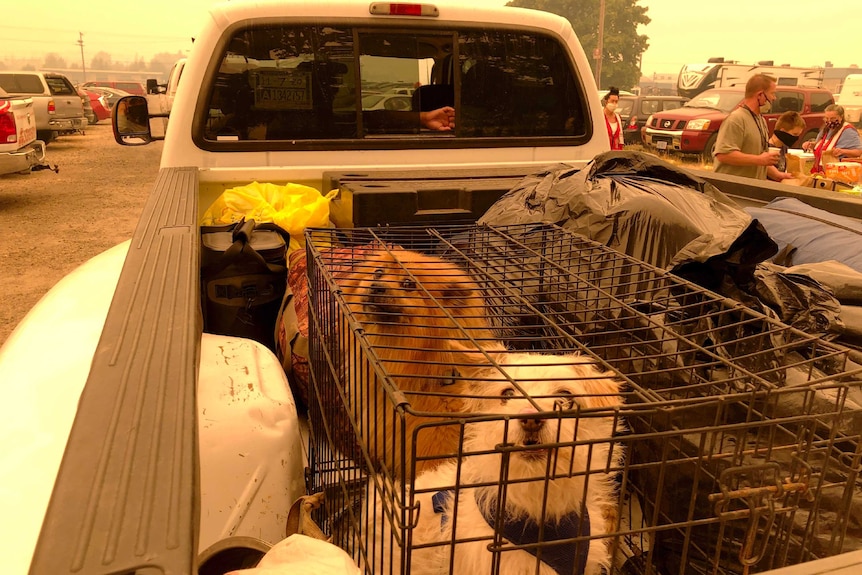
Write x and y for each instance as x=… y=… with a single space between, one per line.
x=851 y=99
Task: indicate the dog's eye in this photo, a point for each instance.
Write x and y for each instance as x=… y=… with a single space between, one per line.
x=507 y=393
x=378 y=273
x=566 y=400
x=408 y=284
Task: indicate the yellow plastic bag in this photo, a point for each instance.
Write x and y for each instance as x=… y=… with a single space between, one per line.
x=292 y=207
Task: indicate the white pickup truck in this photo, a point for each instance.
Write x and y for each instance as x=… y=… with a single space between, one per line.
x=140 y=443
x=20 y=151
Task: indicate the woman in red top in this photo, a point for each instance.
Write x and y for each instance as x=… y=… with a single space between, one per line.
x=612 y=120
x=836 y=136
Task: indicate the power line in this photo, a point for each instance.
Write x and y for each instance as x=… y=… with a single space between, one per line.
x=68 y=31
x=72 y=42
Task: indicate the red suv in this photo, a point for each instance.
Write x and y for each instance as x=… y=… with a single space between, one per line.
x=693 y=128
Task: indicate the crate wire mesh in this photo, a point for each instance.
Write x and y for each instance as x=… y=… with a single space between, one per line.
x=739 y=435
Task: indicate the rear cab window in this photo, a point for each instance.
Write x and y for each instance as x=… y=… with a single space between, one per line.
x=21 y=83
x=60 y=86
x=302 y=86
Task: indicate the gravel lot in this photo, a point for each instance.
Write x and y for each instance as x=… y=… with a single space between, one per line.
x=51 y=223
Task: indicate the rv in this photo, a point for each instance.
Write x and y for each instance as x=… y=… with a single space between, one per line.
x=718 y=73
x=851 y=99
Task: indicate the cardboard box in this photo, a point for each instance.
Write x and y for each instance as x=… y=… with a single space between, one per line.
x=821 y=183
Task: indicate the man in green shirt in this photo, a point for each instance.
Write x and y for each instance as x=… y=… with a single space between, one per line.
x=742 y=147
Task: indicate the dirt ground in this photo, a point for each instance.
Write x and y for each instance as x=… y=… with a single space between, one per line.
x=51 y=223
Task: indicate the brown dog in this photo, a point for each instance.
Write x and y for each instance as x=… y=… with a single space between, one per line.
x=414 y=309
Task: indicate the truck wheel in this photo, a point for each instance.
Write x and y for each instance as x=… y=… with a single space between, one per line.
x=45 y=135
x=706 y=156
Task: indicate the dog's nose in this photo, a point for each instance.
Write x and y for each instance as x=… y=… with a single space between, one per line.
x=531 y=425
x=377 y=289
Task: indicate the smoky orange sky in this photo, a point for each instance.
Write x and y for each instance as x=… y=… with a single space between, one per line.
x=795 y=32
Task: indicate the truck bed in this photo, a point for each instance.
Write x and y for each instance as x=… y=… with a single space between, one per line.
x=138 y=351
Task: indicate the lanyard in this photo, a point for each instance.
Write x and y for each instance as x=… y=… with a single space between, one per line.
x=764 y=141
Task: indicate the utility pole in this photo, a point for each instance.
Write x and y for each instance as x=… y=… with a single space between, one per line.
x=599 y=45
x=81 y=44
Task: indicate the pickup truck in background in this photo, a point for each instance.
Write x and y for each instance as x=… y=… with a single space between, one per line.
x=57 y=104
x=143 y=443
x=160 y=97
x=20 y=151
x=168 y=90
x=693 y=128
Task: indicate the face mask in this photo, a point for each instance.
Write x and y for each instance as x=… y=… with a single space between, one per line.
x=766 y=106
x=786 y=138
x=612 y=106
x=832 y=124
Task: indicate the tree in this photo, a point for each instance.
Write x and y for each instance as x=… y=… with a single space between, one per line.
x=101 y=61
x=164 y=61
x=137 y=64
x=622 y=46
x=54 y=60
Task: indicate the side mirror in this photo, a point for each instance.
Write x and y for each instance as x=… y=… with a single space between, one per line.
x=131 y=121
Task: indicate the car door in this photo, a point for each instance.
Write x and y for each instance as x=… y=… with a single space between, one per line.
x=67 y=102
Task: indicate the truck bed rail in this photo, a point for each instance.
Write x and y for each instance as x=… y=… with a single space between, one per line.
x=126 y=496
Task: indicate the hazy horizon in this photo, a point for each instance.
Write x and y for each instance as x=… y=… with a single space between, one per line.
x=678 y=34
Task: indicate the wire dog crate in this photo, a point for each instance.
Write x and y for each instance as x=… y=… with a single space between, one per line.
x=731 y=446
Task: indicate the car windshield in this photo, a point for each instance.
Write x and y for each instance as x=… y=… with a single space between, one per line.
x=717 y=100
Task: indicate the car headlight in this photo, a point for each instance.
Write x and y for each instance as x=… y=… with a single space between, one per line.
x=649 y=121
x=697 y=125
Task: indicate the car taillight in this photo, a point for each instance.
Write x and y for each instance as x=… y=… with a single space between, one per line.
x=633 y=122
x=402 y=9
x=52 y=108
x=8 y=131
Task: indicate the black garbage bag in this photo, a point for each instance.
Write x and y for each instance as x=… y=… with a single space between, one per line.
x=647 y=208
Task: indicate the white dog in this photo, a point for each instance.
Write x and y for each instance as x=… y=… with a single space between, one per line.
x=555 y=478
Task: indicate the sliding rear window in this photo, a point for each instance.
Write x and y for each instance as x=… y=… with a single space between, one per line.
x=298 y=85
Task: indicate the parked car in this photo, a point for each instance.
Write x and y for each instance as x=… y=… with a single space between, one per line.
x=98 y=106
x=57 y=105
x=693 y=128
x=112 y=95
x=126 y=86
x=399 y=102
x=634 y=111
